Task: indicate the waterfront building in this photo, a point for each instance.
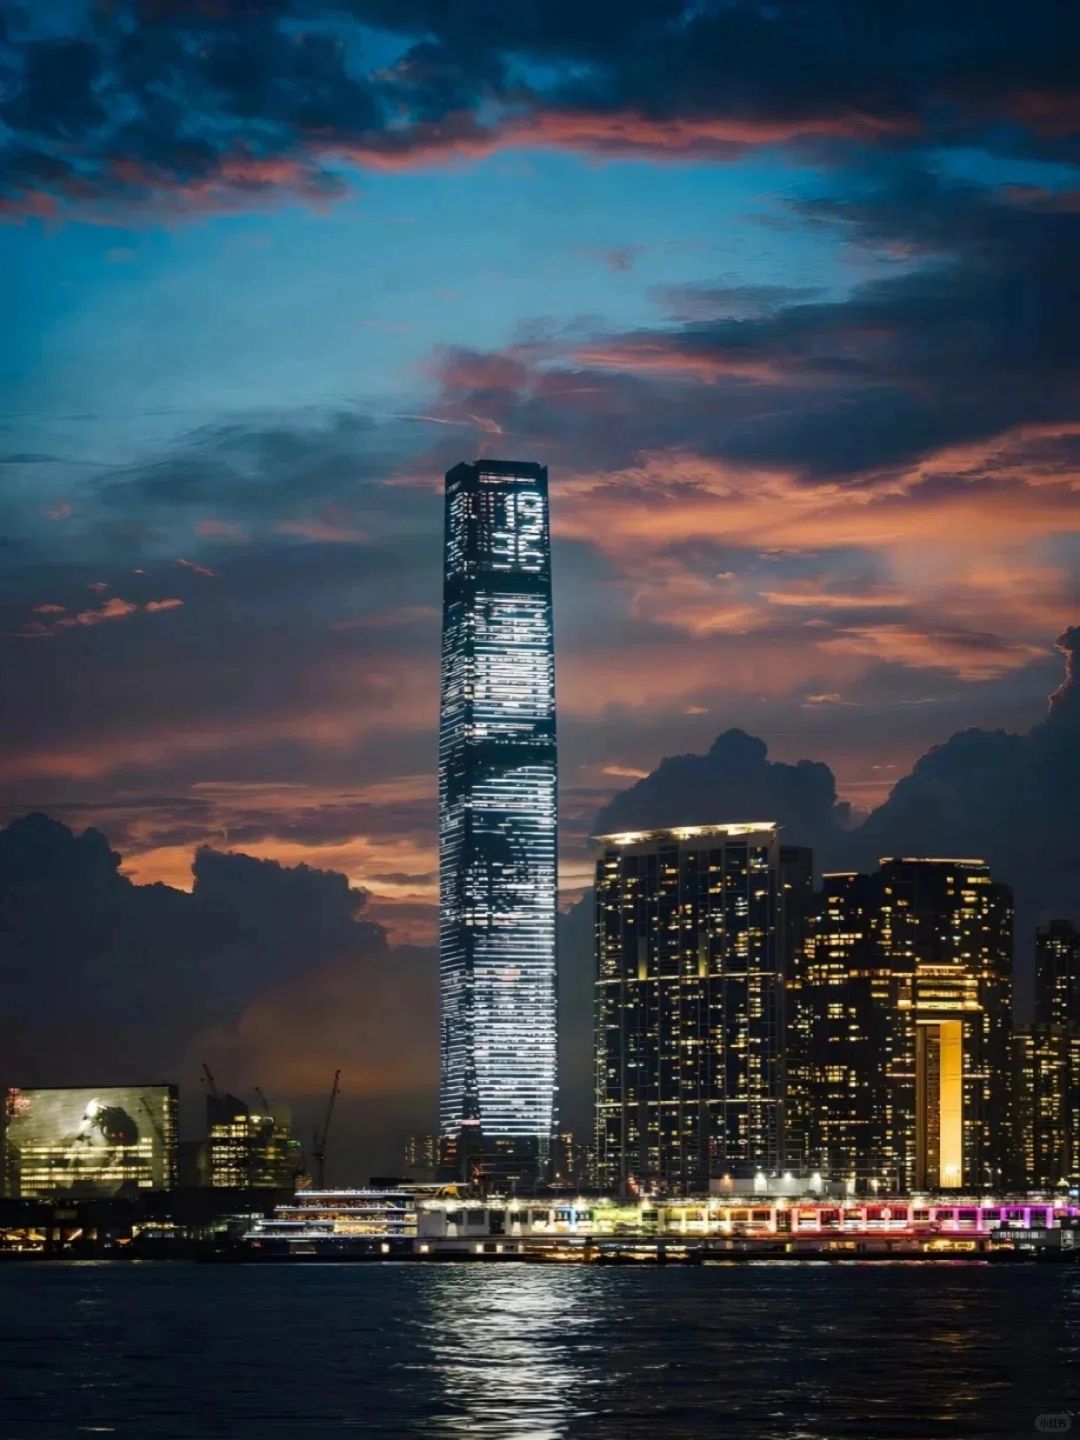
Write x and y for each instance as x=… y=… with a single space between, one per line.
x=1046 y=1106
x=1046 y=1066
x=335 y=1222
x=692 y=930
x=114 y=1140
x=248 y=1149
x=438 y=1221
x=843 y=1059
x=902 y=994
x=497 y=824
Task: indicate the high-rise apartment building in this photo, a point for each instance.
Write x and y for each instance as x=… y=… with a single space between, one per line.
x=842 y=1034
x=691 y=932
x=1057 y=973
x=1046 y=1066
x=901 y=996
x=497 y=821
x=1046 y=1106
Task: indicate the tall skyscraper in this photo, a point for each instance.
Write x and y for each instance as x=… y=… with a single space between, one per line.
x=691 y=932
x=497 y=821
x=842 y=1037
x=902 y=995
x=1046 y=1059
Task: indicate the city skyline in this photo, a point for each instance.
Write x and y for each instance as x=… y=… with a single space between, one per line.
x=402 y=1037
x=784 y=296
x=540 y=694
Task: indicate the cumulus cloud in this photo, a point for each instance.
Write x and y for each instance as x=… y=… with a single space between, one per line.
x=272 y=972
x=1011 y=798
x=734 y=781
x=1023 y=821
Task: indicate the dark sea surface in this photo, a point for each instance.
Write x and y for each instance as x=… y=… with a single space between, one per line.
x=793 y=1351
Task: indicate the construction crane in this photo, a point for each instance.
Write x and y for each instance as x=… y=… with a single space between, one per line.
x=211 y=1083
x=318 y=1143
x=263 y=1101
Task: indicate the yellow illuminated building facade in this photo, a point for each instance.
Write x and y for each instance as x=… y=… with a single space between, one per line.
x=691 y=938
x=901 y=1004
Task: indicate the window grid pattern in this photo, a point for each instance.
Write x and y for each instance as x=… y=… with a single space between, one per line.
x=497 y=807
x=689 y=1011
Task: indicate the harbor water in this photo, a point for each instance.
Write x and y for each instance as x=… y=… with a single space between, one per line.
x=777 y=1351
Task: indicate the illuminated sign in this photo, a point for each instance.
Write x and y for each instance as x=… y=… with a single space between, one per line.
x=113 y=1140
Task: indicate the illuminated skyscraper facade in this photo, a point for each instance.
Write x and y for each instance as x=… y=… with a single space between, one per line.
x=902 y=993
x=1057 y=974
x=1046 y=1106
x=691 y=932
x=497 y=819
x=1046 y=1060
x=842 y=1002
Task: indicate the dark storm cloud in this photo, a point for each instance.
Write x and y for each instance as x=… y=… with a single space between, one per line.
x=208 y=106
x=734 y=781
x=1012 y=798
x=1023 y=822
x=272 y=972
x=269 y=970
x=97 y=965
x=278 y=469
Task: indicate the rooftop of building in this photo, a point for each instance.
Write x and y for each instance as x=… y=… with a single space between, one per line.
x=506 y=469
x=930 y=860
x=688 y=832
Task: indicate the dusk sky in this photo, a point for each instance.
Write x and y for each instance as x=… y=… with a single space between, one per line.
x=786 y=296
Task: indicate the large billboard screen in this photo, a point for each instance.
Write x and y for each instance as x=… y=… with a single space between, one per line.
x=114 y=1140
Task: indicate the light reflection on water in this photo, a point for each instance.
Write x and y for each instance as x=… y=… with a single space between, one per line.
x=506 y=1351
x=516 y=1348
x=769 y=1352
